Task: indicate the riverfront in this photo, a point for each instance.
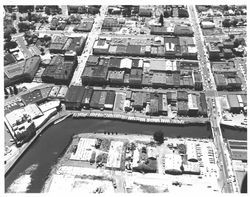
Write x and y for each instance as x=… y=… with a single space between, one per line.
x=55 y=138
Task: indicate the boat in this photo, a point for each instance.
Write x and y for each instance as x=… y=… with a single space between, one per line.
x=61 y=119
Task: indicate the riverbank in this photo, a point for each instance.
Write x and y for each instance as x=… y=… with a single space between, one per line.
x=102 y=115
x=77 y=173
x=25 y=146
x=143 y=119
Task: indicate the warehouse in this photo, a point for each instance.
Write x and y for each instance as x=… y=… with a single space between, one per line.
x=234 y=104
x=163 y=105
x=94 y=102
x=137 y=101
x=74 y=97
x=110 y=99
x=189 y=65
x=87 y=97
x=182 y=108
x=116 y=77
x=192 y=105
x=182 y=96
x=135 y=78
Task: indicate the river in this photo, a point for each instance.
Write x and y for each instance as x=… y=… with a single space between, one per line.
x=43 y=154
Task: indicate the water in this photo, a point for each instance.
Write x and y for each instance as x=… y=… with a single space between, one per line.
x=48 y=147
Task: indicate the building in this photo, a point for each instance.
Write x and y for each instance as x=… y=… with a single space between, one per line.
x=220 y=81
x=87 y=97
x=182 y=108
x=197 y=81
x=20 y=72
x=203 y=104
x=173 y=164
x=92 y=60
x=109 y=101
x=61 y=70
x=85 y=26
x=62 y=93
x=95 y=100
x=96 y=75
x=182 y=96
x=234 y=83
x=154 y=107
x=163 y=104
x=207 y=25
x=159 y=79
x=100 y=47
x=145 y=12
x=191 y=152
x=192 y=105
x=54 y=91
x=73 y=99
x=170 y=50
x=181 y=30
x=213 y=51
x=137 y=101
x=135 y=78
x=234 y=104
x=116 y=77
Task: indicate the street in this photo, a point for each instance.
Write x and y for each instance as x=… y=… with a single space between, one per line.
x=212 y=94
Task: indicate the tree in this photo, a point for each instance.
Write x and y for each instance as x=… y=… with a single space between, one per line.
x=234 y=22
x=231 y=36
x=159 y=137
x=10 y=45
x=161 y=20
x=226 y=23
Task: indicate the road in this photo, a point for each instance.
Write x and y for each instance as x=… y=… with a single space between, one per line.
x=92 y=36
x=212 y=98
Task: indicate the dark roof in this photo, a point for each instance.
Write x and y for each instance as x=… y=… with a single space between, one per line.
x=74 y=94
x=114 y=62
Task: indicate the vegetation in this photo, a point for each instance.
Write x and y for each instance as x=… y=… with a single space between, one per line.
x=159 y=137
